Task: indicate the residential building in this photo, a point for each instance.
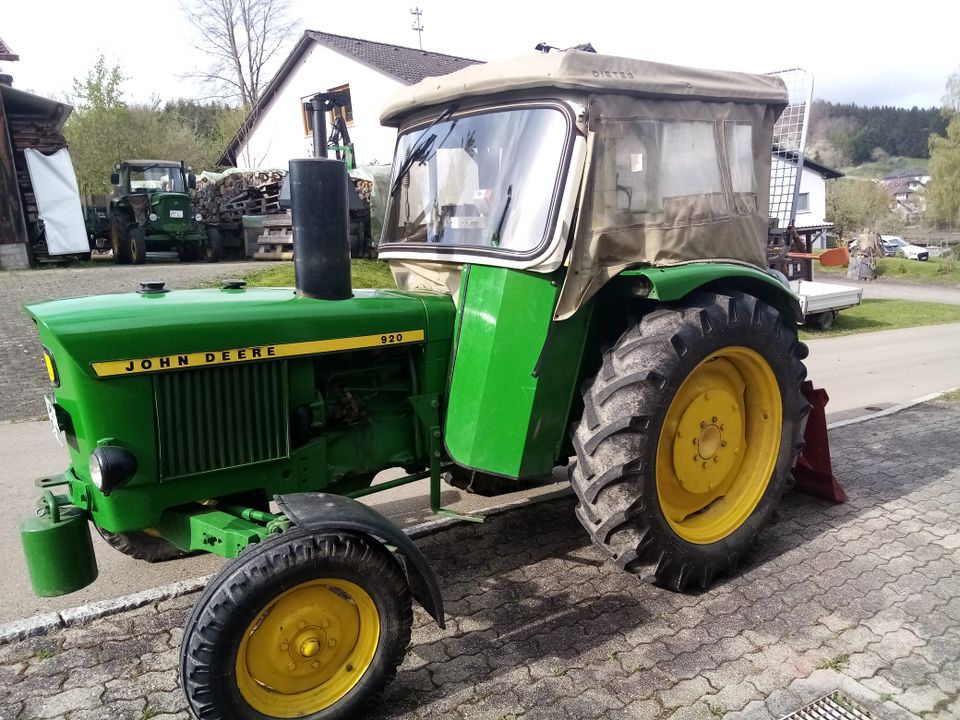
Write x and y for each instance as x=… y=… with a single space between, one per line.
x=278 y=129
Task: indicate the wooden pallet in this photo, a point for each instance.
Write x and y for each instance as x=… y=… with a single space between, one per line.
x=275 y=243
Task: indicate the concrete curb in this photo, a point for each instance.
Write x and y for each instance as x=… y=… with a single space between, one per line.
x=44 y=623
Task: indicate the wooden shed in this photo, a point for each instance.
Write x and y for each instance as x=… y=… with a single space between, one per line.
x=26 y=121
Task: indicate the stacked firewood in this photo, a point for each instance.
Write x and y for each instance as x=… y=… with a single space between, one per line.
x=364 y=188
x=254 y=192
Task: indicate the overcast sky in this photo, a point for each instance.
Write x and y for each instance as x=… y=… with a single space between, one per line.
x=878 y=53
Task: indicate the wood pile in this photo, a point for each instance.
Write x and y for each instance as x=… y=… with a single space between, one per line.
x=254 y=192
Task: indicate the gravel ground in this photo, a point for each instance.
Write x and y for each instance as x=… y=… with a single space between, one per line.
x=863 y=598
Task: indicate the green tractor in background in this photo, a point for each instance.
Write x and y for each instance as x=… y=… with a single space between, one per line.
x=579 y=242
x=150 y=211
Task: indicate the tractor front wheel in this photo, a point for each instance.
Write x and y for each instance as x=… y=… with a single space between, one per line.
x=688 y=437
x=300 y=626
x=136 y=246
x=119 y=230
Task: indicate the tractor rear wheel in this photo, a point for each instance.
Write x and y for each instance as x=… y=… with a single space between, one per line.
x=299 y=626
x=688 y=437
x=136 y=246
x=142 y=546
x=213 y=247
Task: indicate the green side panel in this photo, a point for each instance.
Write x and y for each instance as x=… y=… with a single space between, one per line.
x=677 y=281
x=210 y=530
x=502 y=416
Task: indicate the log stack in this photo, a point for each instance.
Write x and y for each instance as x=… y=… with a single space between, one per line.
x=254 y=192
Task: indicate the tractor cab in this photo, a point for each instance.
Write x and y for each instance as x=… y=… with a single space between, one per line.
x=526 y=188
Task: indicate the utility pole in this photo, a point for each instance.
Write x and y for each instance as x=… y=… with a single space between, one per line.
x=417 y=13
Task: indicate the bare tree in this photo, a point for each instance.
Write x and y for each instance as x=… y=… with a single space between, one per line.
x=240 y=37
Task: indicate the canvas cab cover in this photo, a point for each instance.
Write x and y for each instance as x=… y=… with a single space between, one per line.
x=678 y=159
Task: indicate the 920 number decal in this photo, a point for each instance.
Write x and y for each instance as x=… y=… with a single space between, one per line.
x=391 y=338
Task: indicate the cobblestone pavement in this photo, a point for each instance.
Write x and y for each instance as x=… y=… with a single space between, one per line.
x=864 y=597
x=24 y=380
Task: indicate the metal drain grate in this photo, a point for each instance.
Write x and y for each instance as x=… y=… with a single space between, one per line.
x=831 y=707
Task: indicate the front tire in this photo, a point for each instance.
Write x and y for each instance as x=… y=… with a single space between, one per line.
x=688 y=436
x=136 y=246
x=119 y=241
x=299 y=626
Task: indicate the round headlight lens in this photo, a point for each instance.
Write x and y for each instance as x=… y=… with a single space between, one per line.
x=96 y=472
x=111 y=467
x=199 y=217
x=153 y=217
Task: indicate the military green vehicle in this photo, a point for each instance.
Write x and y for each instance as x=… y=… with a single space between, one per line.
x=150 y=211
x=579 y=242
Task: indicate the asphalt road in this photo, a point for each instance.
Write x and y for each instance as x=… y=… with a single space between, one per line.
x=862 y=374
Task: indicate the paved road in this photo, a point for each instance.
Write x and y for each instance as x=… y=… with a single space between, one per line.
x=24 y=380
x=884 y=289
x=862 y=597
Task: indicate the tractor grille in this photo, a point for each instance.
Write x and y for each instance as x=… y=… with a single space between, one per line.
x=221 y=417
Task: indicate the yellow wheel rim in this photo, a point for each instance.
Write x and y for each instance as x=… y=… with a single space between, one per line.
x=308 y=648
x=719 y=445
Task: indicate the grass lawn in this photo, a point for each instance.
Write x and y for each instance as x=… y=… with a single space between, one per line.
x=935 y=270
x=364 y=274
x=873 y=315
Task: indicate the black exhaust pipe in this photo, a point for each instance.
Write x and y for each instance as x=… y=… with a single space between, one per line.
x=321 y=226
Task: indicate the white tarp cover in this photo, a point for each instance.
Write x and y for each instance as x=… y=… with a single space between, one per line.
x=58 y=201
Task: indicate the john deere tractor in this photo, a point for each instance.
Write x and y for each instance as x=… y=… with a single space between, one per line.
x=150 y=210
x=578 y=241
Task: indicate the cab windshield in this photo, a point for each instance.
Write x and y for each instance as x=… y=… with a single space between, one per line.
x=482 y=180
x=154 y=178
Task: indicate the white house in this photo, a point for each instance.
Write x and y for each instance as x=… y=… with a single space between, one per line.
x=812 y=200
x=277 y=128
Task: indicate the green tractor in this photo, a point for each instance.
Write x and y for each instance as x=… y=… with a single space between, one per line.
x=150 y=210
x=579 y=244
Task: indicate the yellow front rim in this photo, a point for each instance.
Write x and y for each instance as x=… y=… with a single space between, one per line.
x=719 y=445
x=308 y=648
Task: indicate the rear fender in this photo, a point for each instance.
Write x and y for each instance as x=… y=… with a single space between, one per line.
x=320 y=512
x=674 y=282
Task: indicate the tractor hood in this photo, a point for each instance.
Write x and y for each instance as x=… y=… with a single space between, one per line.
x=115 y=335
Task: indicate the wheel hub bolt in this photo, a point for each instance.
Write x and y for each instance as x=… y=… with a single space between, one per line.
x=315 y=664
x=291 y=666
x=332 y=643
x=284 y=646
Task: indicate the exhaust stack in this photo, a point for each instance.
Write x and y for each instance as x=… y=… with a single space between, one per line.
x=321 y=222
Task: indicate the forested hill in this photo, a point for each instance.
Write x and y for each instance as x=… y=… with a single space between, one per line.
x=849 y=134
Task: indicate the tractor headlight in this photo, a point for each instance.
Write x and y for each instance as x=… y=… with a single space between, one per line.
x=198 y=217
x=153 y=217
x=111 y=467
x=51 y=368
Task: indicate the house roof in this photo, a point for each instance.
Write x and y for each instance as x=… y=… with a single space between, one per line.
x=904 y=174
x=404 y=64
x=6 y=53
x=823 y=170
x=408 y=65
